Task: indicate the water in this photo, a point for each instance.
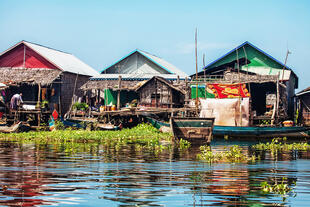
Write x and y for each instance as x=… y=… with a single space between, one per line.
x=91 y=175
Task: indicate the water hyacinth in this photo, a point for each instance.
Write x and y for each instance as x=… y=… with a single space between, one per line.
x=143 y=134
x=277 y=146
x=282 y=188
x=233 y=155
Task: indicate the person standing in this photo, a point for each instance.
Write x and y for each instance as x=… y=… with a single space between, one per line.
x=16 y=100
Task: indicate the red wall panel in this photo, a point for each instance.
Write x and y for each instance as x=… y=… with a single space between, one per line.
x=15 y=58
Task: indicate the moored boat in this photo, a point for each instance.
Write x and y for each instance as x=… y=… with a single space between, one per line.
x=261 y=131
x=249 y=132
x=10 y=129
x=191 y=128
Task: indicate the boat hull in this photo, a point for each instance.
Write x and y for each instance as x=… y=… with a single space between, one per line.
x=248 y=132
x=233 y=131
x=192 y=128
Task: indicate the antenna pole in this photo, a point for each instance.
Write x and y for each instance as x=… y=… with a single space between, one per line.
x=196 y=72
x=287 y=53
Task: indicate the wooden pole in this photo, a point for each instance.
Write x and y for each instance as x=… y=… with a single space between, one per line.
x=39 y=95
x=287 y=53
x=239 y=88
x=196 y=72
x=119 y=92
x=155 y=92
x=278 y=99
x=38 y=103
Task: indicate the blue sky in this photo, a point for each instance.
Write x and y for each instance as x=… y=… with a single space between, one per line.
x=100 y=32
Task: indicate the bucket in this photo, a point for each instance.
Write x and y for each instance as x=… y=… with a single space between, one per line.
x=288 y=123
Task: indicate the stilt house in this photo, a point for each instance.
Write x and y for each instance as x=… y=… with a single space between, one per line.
x=303 y=106
x=119 y=81
x=43 y=75
x=158 y=92
x=249 y=64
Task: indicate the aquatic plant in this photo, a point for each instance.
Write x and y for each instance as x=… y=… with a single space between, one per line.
x=276 y=146
x=143 y=134
x=233 y=155
x=281 y=188
x=184 y=144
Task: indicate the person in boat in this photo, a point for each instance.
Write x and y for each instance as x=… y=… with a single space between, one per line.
x=16 y=101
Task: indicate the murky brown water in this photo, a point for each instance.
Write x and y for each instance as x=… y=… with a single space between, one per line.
x=90 y=175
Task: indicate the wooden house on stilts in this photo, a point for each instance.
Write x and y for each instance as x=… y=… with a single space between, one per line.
x=303 y=107
x=43 y=75
x=124 y=81
x=270 y=83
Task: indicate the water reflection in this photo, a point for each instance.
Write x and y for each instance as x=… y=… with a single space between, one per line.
x=94 y=175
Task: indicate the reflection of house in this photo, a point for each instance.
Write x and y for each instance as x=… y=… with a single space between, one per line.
x=247 y=61
x=157 y=92
x=303 y=103
x=124 y=75
x=36 y=71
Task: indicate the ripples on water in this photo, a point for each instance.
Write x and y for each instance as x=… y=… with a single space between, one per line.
x=90 y=175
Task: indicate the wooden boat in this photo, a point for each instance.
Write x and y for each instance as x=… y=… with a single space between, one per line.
x=10 y=129
x=100 y=126
x=192 y=128
x=83 y=124
x=256 y=131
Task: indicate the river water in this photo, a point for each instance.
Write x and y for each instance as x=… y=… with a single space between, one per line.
x=90 y=175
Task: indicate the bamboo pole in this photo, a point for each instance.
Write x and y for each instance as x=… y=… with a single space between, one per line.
x=38 y=103
x=277 y=100
x=196 y=72
x=239 y=88
x=287 y=53
x=39 y=95
x=119 y=92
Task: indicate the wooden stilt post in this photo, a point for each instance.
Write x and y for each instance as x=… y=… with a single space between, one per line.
x=39 y=104
x=278 y=99
x=119 y=93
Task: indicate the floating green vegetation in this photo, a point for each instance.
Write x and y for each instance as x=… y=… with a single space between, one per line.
x=233 y=155
x=277 y=146
x=281 y=188
x=143 y=135
x=184 y=144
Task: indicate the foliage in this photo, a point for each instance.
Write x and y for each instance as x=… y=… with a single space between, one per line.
x=277 y=146
x=44 y=104
x=144 y=135
x=265 y=122
x=277 y=188
x=184 y=144
x=234 y=155
x=80 y=106
x=59 y=125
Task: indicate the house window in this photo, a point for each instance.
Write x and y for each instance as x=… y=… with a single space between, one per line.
x=155 y=96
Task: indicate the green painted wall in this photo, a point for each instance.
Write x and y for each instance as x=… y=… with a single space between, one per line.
x=110 y=97
x=256 y=57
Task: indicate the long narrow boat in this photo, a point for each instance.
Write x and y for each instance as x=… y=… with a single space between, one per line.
x=234 y=131
x=10 y=129
x=191 y=128
x=256 y=131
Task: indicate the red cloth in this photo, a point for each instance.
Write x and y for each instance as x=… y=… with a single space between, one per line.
x=229 y=90
x=55 y=114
